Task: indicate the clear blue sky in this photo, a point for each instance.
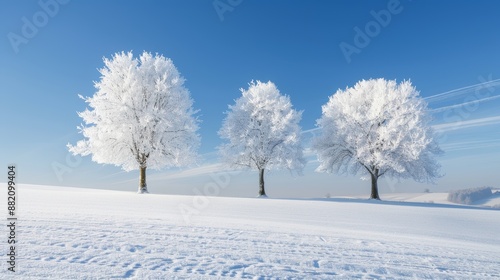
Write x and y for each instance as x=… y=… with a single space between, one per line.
x=444 y=47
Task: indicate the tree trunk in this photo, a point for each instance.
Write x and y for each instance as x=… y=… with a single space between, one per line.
x=374 y=194
x=142 y=181
x=262 y=191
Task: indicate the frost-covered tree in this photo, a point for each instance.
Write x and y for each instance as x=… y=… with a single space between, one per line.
x=262 y=132
x=381 y=128
x=141 y=116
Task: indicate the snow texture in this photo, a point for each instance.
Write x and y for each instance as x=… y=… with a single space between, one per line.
x=70 y=233
x=140 y=116
x=378 y=126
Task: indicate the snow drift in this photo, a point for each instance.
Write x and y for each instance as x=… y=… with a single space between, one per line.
x=469 y=196
x=70 y=233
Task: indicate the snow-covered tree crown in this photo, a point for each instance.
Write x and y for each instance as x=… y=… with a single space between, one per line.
x=377 y=125
x=262 y=130
x=141 y=115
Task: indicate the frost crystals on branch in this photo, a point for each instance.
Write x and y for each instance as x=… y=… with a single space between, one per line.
x=262 y=132
x=141 y=116
x=380 y=127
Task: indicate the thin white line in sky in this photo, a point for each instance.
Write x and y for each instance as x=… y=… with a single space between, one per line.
x=458 y=91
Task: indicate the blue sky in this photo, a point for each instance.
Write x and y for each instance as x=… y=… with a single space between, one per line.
x=450 y=50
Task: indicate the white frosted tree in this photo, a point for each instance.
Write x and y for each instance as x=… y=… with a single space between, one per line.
x=381 y=128
x=262 y=132
x=140 y=117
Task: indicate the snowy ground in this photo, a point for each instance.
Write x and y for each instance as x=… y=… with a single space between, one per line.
x=69 y=233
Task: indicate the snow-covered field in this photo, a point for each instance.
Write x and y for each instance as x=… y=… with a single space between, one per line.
x=70 y=233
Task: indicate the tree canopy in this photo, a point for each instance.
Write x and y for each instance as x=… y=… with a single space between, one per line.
x=141 y=116
x=379 y=127
x=262 y=131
